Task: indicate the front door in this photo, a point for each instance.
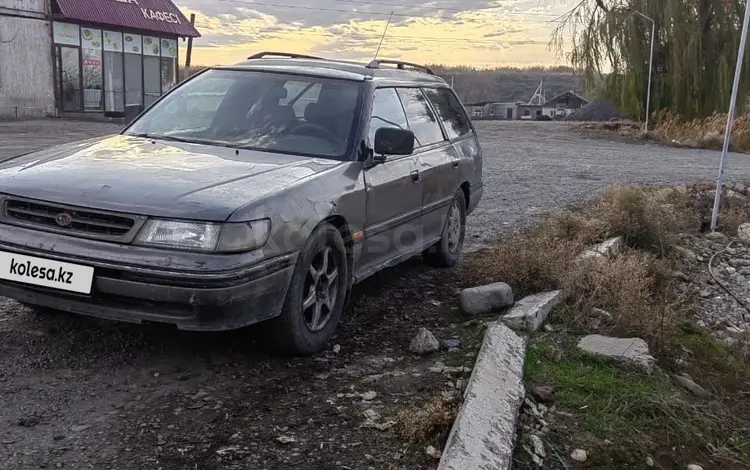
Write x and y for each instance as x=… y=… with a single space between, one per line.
x=394 y=194
x=69 y=67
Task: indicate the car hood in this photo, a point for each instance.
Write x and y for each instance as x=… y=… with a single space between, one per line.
x=156 y=178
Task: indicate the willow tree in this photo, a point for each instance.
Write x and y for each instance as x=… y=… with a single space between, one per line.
x=695 y=52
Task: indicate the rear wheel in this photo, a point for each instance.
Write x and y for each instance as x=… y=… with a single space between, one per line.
x=447 y=251
x=315 y=298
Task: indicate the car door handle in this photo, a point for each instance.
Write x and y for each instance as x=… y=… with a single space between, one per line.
x=455 y=163
x=414 y=176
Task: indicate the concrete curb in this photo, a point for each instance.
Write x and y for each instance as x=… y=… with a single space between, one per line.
x=530 y=312
x=607 y=248
x=484 y=433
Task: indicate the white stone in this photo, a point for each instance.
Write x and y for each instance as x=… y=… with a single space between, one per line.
x=424 y=343
x=649 y=462
x=536 y=441
x=633 y=351
x=694 y=466
x=485 y=299
x=743 y=232
x=483 y=435
x=530 y=312
x=579 y=455
x=433 y=452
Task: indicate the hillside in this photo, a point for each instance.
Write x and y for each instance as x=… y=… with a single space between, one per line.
x=502 y=84
x=509 y=84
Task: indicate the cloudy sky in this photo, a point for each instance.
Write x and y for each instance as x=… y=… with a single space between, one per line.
x=452 y=32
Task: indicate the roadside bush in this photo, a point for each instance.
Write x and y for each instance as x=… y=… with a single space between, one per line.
x=634 y=288
x=529 y=262
x=647 y=218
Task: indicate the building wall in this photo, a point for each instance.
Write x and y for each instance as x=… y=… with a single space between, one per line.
x=26 y=75
x=36 y=6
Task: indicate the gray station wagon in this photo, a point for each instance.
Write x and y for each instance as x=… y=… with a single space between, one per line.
x=259 y=192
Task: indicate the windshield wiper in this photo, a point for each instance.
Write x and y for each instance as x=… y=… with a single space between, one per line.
x=166 y=137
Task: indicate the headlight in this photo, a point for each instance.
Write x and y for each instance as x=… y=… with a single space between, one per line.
x=201 y=236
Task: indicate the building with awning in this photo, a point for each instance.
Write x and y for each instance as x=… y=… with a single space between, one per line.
x=93 y=56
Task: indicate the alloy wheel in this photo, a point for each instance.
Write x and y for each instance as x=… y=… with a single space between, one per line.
x=320 y=290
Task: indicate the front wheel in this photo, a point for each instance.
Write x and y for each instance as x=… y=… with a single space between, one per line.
x=315 y=298
x=447 y=251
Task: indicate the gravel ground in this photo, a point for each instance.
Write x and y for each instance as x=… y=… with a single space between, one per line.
x=83 y=393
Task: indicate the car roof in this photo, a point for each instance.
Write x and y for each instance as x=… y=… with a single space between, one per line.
x=347 y=70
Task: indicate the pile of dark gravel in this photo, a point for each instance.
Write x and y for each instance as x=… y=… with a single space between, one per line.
x=597 y=110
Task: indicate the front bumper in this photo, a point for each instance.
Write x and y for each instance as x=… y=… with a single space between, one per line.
x=220 y=292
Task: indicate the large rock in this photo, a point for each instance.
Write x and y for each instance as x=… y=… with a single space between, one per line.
x=424 y=343
x=484 y=433
x=743 y=232
x=631 y=351
x=530 y=312
x=485 y=299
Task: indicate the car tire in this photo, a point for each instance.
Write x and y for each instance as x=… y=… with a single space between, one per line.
x=315 y=297
x=446 y=252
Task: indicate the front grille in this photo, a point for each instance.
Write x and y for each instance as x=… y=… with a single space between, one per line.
x=82 y=222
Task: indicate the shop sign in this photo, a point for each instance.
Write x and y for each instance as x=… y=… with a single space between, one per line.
x=156 y=15
x=133 y=43
x=92 y=62
x=66 y=33
x=151 y=46
x=168 y=48
x=112 y=41
x=91 y=38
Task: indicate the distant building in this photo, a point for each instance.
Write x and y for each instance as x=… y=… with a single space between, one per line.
x=563 y=105
x=493 y=110
x=556 y=108
x=98 y=56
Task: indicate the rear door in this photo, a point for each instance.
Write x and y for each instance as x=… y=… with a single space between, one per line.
x=394 y=193
x=438 y=160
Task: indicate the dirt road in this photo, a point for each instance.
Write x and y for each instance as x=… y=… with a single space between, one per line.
x=83 y=393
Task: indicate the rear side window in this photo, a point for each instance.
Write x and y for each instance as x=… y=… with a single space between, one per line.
x=449 y=111
x=386 y=111
x=422 y=120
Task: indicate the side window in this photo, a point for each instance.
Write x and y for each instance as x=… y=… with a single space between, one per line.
x=449 y=111
x=421 y=119
x=386 y=111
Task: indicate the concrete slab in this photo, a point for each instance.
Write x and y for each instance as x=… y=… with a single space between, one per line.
x=483 y=436
x=607 y=248
x=530 y=312
x=631 y=351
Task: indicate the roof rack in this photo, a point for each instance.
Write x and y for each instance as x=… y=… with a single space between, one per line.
x=401 y=65
x=263 y=55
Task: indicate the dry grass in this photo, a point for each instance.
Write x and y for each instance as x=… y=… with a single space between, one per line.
x=433 y=420
x=704 y=133
x=634 y=288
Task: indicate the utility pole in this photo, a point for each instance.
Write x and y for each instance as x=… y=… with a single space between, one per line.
x=730 y=117
x=650 y=65
x=189 y=54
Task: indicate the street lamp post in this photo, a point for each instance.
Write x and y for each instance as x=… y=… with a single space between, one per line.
x=650 y=64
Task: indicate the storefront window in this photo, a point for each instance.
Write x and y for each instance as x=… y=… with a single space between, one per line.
x=168 y=64
x=114 y=87
x=98 y=70
x=151 y=69
x=91 y=43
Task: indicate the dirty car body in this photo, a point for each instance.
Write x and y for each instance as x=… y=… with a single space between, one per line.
x=198 y=212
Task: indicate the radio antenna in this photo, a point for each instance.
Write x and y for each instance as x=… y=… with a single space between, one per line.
x=383 y=37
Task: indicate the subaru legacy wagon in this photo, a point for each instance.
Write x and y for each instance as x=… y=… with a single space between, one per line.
x=259 y=192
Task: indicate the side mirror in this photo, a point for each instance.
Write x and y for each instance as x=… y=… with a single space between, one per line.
x=393 y=141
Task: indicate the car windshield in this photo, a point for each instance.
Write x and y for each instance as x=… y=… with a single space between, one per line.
x=259 y=110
